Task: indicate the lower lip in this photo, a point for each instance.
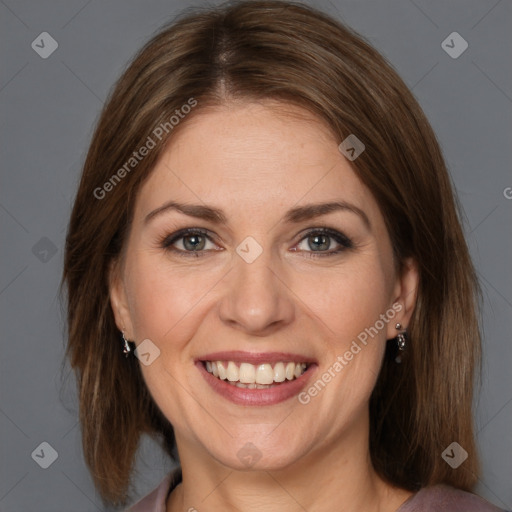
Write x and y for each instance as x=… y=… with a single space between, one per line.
x=267 y=396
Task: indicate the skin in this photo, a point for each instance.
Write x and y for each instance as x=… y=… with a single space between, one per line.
x=255 y=161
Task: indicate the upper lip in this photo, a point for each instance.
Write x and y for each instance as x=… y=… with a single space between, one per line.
x=239 y=356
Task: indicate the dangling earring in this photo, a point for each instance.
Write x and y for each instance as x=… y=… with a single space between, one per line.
x=400 y=341
x=127 y=349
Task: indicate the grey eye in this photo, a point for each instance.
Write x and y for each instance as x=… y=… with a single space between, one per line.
x=319 y=242
x=194 y=242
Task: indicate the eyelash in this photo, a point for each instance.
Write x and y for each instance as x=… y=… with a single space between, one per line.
x=168 y=241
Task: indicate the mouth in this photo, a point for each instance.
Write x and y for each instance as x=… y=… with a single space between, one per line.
x=256 y=379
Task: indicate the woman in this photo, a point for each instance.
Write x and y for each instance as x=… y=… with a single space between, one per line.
x=266 y=270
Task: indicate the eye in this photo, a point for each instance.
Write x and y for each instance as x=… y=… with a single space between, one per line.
x=324 y=242
x=189 y=242
x=195 y=242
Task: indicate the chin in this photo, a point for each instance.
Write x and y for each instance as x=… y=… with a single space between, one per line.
x=258 y=454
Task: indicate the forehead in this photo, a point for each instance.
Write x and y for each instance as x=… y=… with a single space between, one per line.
x=253 y=156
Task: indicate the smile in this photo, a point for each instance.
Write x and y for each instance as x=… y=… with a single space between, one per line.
x=250 y=376
x=256 y=379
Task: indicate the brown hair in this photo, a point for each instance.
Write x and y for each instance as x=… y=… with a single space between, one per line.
x=290 y=52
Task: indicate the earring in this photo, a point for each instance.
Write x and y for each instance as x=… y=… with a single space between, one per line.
x=127 y=346
x=400 y=341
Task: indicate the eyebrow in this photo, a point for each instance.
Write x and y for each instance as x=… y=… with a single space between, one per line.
x=295 y=215
x=310 y=211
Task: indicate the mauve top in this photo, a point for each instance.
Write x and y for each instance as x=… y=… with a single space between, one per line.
x=438 y=498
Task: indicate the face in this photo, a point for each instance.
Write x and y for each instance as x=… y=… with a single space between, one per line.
x=260 y=270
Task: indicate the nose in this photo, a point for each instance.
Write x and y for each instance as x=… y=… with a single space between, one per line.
x=257 y=300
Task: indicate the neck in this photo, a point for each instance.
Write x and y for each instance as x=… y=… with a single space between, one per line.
x=336 y=476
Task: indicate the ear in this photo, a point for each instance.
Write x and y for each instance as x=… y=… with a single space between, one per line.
x=405 y=294
x=118 y=300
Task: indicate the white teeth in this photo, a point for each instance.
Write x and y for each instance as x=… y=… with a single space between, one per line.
x=290 y=371
x=221 y=370
x=246 y=375
x=279 y=372
x=250 y=386
x=232 y=372
x=264 y=374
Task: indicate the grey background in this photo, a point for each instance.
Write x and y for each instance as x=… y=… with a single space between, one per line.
x=48 y=110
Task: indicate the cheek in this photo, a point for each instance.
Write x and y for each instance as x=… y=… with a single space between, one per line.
x=349 y=300
x=349 y=306
x=164 y=299
x=166 y=306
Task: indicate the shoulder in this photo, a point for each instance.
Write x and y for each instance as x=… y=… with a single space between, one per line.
x=156 y=499
x=443 y=498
